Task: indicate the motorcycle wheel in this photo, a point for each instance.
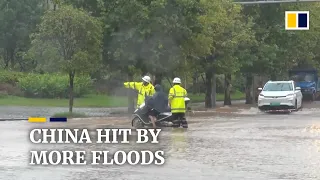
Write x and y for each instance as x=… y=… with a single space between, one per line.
x=136 y=123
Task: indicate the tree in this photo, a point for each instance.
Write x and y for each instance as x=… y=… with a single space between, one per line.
x=223 y=32
x=74 y=37
x=18 y=19
x=278 y=50
x=232 y=48
x=147 y=35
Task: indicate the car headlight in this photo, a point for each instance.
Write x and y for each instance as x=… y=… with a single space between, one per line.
x=261 y=95
x=290 y=95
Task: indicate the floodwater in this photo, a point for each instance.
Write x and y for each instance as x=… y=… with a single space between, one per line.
x=246 y=145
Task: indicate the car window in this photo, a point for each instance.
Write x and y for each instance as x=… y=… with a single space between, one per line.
x=278 y=87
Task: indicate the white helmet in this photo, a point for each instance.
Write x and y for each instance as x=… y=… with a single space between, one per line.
x=177 y=80
x=146 y=79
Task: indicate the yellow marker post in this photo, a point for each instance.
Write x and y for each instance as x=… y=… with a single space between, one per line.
x=37 y=119
x=292 y=20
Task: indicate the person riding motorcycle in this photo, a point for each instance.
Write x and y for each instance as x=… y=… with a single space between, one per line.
x=177 y=102
x=144 y=89
x=157 y=104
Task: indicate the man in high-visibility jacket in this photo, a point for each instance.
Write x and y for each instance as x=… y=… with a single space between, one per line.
x=144 y=89
x=177 y=103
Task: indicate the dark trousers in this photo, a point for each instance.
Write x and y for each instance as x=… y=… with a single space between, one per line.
x=180 y=118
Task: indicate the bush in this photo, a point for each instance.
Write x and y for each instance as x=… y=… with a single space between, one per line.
x=3 y=94
x=53 y=85
x=10 y=89
x=10 y=77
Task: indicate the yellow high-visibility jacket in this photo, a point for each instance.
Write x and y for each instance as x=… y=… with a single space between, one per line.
x=143 y=90
x=176 y=99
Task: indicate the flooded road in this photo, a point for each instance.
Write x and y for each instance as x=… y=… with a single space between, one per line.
x=245 y=145
x=23 y=112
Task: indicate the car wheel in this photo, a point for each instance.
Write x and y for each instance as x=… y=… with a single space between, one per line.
x=296 y=105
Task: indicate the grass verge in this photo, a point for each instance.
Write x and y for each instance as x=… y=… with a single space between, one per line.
x=87 y=101
x=70 y=115
x=93 y=100
x=220 y=97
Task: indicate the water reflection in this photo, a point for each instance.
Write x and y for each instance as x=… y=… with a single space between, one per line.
x=178 y=138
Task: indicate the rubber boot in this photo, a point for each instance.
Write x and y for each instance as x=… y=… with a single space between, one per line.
x=184 y=123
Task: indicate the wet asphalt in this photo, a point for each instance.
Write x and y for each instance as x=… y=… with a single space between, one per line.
x=244 y=145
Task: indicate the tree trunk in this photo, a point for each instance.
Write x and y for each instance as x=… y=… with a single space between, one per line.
x=194 y=83
x=214 y=90
x=6 y=59
x=131 y=95
x=249 y=93
x=12 y=58
x=71 y=82
x=227 y=89
x=158 y=79
x=210 y=82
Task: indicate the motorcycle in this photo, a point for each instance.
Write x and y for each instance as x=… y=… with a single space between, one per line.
x=141 y=119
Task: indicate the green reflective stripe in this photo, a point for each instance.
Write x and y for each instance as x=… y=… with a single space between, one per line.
x=180 y=96
x=175 y=94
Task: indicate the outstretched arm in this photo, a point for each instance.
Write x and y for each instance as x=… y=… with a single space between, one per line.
x=133 y=85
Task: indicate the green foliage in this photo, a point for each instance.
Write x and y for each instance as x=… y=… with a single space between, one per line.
x=74 y=38
x=182 y=38
x=3 y=94
x=70 y=38
x=18 y=19
x=149 y=34
x=10 y=77
x=53 y=85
